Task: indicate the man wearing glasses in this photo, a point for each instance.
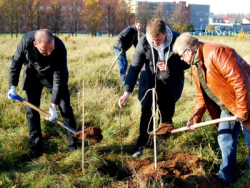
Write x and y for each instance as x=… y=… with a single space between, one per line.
x=45 y=64
x=223 y=88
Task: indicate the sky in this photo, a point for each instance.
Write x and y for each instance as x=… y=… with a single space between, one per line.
x=224 y=6
x=220 y=6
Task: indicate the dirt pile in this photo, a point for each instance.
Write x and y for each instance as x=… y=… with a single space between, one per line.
x=94 y=134
x=163 y=129
x=173 y=171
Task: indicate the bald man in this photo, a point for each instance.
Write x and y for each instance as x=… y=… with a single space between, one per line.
x=44 y=57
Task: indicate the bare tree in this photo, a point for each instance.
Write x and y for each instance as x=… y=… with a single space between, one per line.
x=160 y=13
x=74 y=19
x=144 y=14
x=55 y=16
x=178 y=15
x=32 y=14
x=125 y=12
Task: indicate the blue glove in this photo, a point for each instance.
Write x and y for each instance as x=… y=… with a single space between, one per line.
x=12 y=91
x=53 y=114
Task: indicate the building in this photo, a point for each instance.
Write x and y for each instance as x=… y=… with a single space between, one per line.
x=199 y=16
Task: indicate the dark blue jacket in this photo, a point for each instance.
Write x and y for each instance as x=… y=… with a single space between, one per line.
x=127 y=38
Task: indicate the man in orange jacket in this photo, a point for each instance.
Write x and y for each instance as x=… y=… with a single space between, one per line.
x=222 y=79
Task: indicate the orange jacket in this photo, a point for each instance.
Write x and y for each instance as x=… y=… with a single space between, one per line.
x=228 y=76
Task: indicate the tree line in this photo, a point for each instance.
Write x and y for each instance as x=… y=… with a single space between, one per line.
x=90 y=15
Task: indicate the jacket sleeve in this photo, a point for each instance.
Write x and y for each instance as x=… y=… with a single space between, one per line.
x=18 y=60
x=60 y=77
x=199 y=107
x=135 y=68
x=230 y=65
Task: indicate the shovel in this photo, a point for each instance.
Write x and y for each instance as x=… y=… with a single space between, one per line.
x=17 y=97
x=114 y=63
x=163 y=132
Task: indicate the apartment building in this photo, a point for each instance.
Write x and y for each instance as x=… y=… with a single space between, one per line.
x=199 y=16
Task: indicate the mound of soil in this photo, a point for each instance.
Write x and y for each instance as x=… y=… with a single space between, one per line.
x=163 y=129
x=94 y=134
x=173 y=171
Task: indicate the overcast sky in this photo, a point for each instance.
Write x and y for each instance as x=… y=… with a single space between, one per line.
x=221 y=6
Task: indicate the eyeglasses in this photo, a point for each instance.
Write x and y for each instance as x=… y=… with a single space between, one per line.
x=45 y=51
x=183 y=52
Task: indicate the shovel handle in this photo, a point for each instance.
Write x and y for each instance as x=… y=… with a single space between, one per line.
x=114 y=62
x=48 y=115
x=204 y=124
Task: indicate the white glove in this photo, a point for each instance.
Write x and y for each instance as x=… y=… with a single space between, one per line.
x=53 y=114
x=12 y=91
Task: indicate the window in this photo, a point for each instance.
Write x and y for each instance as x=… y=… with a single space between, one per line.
x=196 y=19
x=206 y=14
x=0 y=26
x=41 y=7
x=63 y=17
x=24 y=17
x=64 y=8
x=70 y=8
x=205 y=19
x=48 y=7
x=196 y=25
x=201 y=19
x=197 y=12
x=64 y=26
x=24 y=26
x=78 y=9
x=201 y=13
x=186 y=12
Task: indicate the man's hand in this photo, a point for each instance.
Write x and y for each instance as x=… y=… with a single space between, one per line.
x=161 y=66
x=52 y=112
x=189 y=125
x=240 y=119
x=12 y=91
x=123 y=99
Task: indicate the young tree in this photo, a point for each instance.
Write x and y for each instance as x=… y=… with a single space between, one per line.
x=125 y=13
x=32 y=14
x=178 y=15
x=160 y=13
x=210 y=27
x=92 y=14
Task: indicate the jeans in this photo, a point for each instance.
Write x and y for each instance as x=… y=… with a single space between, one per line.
x=227 y=138
x=247 y=138
x=122 y=61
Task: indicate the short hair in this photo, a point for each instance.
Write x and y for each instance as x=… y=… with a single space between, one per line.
x=183 y=42
x=44 y=36
x=138 y=21
x=156 y=26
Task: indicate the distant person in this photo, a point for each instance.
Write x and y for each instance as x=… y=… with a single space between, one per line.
x=127 y=38
x=223 y=88
x=160 y=69
x=45 y=65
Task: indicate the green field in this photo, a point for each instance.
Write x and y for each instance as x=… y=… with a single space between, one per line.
x=88 y=61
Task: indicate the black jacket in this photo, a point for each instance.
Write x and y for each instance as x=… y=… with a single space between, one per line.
x=126 y=38
x=143 y=62
x=50 y=69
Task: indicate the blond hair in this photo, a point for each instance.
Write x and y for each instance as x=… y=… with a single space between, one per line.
x=156 y=26
x=183 y=42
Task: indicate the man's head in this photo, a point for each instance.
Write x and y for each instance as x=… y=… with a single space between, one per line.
x=138 y=25
x=44 y=41
x=185 y=46
x=156 y=31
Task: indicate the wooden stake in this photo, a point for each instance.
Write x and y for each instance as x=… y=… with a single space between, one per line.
x=83 y=128
x=155 y=153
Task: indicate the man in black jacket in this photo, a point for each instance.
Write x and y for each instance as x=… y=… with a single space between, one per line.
x=160 y=69
x=124 y=41
x=45 y=64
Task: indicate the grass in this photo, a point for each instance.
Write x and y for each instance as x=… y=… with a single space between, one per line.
x=88 y=60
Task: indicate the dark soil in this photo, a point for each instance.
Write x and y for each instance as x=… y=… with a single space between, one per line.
x=94 y=134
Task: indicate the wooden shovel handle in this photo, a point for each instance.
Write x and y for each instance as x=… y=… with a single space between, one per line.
x=48 y=116
x=114 y=62
x=204 y=124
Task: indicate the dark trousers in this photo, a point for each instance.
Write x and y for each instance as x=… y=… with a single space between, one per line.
x=166 y=105
x=33 y=95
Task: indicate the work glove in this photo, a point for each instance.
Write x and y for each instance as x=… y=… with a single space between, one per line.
x=12 y=91
x=53 y=114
